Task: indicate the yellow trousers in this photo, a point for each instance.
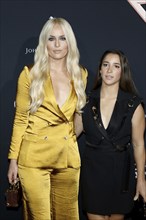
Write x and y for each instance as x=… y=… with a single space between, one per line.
x=50 y=194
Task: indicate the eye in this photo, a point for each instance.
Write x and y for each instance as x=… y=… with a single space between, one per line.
x=117 y=66
x=62 y=38
x=105 y=64
x=51 y=38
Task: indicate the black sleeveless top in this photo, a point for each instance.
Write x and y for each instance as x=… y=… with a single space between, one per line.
x=108 y=171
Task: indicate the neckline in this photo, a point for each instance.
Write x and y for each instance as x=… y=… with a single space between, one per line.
x=112 y=114
x=54 y=97
x=111 y=117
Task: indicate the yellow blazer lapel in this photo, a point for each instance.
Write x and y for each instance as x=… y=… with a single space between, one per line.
x=69 y=106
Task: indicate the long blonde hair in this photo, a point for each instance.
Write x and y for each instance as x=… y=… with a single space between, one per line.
x=40 y=70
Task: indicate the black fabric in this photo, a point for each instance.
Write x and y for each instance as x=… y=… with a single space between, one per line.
x=108 y=171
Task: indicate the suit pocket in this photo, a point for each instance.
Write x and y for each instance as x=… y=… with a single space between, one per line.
x=30 y=137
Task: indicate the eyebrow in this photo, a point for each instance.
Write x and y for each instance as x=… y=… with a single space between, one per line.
x=108 y=62
x=54 y=36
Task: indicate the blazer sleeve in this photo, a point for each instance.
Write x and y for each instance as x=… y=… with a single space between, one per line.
x=21 y=113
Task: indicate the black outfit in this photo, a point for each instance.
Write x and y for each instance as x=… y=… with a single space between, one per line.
x=108 y=171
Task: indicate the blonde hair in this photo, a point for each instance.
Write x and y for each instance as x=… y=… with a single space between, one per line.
x=40 y=70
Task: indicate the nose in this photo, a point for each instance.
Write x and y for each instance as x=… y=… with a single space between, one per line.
x=57 y=43
x=109 y=69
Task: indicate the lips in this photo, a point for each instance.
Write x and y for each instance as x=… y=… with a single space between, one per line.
x=109 y=77
x=57 y=51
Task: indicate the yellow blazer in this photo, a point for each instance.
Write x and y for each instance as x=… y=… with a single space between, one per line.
x=45 y=138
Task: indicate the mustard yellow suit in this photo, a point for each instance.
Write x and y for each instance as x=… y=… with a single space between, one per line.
x=45 y=145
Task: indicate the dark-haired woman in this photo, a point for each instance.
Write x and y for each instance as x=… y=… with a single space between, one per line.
x=114 y=123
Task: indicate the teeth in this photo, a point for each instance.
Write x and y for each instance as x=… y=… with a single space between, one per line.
x=109 y=77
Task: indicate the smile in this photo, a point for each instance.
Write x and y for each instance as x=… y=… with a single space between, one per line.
x=109 y=77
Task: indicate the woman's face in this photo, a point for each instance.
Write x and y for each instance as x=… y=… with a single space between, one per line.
x=57 y=46
x=111 y=69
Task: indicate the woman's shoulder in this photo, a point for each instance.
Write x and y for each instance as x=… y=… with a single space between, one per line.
x=25 y=74
x=84 y=74
x=128 y=95
x=132 y=99
x=84 y=71
x=94 y=93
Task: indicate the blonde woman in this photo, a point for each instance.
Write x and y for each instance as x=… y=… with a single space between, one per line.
x=44 y=152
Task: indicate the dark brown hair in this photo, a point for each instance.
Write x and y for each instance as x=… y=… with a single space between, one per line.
x=126 y=81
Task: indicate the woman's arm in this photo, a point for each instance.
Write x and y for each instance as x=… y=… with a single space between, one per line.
x=138 y=128
x=21 y=114
x=20 y=123
x=78 y=124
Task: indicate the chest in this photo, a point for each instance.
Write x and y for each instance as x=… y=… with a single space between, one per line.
x=117 y=117
x=106 y=110
x=61 y=88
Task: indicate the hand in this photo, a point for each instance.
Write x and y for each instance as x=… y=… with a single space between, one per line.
x=13 y=172
x=140 y=190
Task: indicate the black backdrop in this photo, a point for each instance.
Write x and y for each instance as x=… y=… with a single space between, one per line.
x=98 y=25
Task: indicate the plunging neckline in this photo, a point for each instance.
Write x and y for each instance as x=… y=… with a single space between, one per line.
x=111 y=117
x=54 y=97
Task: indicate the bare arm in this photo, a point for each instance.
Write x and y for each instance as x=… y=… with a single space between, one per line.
x=138 y=128
x=78 y=124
